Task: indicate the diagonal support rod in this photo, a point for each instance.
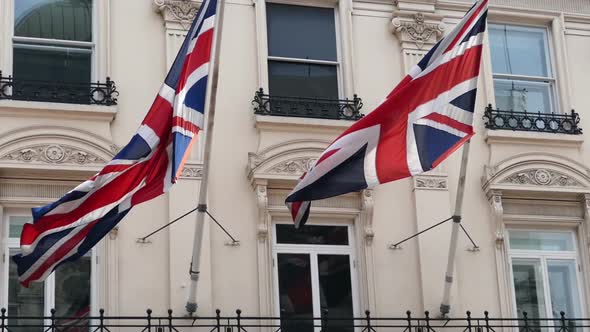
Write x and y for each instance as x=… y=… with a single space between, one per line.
x=396 y=245
x=144 y=239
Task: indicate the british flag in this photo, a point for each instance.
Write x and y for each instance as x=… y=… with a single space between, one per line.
x=145 y=168
x=426 y=117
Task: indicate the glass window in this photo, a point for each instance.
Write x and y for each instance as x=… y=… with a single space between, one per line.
x=540 y=240
x=15 y=225
x=326 y=235
x=315 y=277
x=25 y=301
x=302 y=51
x=544 y=274
x=68 y=290
x=523 y=79
x=52 y=41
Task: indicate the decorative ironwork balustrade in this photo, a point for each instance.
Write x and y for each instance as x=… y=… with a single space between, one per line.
x=236 y=322
x=59 y=92
x=525 y=121
x=320 y=108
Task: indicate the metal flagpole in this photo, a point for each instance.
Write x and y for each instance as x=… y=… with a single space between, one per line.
x=191 y=304
x=445 y=306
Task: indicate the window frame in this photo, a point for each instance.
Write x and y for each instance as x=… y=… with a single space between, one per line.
x=100 y=57
x=552 y=68
x=337 y=63
x=343 y=34
x=543 y=256
x=10 y=245
x=313 y=251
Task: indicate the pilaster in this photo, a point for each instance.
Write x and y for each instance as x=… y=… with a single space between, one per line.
x=432 y=205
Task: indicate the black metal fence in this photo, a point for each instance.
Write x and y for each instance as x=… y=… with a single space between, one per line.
x=59 y=92
x=236 y=322
x=566 y=123
x=321 y=108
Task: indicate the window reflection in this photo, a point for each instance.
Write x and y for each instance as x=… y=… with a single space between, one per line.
x=24 y=302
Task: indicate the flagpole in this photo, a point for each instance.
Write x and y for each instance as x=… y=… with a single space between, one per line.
x=191 y=304
x=445 y=306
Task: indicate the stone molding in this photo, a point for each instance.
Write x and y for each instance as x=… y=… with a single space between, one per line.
x=180 y=13
x=568 y=6
x=540 y=172
x=430 y=182
x=53 y=154
x=415 y=30
x=286 y=160
x=542 y=177
x=192 y=171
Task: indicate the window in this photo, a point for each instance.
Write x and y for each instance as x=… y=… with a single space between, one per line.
x=521 y=64
x=68 y=290
x=545 y=273
x=314 y=270
x=302 y=51
x=52 y=43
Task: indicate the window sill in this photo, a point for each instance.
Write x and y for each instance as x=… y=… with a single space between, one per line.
x=18 y=108
x=533 y=138
x=299 y=124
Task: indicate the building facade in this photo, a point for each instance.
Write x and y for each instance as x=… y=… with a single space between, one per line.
x=78 y=76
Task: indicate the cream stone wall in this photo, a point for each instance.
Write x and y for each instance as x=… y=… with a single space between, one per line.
x=256 y=159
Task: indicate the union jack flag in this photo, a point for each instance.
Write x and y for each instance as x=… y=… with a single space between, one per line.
x=145 y=168
x=426 y=117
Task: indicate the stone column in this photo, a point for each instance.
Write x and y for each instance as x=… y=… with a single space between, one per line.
x=177 y=16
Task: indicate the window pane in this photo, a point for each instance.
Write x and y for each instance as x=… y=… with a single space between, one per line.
x=564 y=288
x=24 y=301
x=72 y=291
x=330 y=235
x=301 y=32
x=519 y=51
x=15 y=225
x=549 y=241
x=51 y=65
x=53 y=19
x=520 y=96
x=295 y=294
x=303 y=80
x=528 y=288
x=336 y=290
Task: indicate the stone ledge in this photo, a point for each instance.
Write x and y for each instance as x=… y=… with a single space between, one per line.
x=17 y=108
x=532 y=138
x=284 y=123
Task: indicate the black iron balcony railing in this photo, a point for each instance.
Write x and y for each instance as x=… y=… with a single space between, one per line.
x=320 y=108
x=525 y=121
x=59 y=92
x=326 y=323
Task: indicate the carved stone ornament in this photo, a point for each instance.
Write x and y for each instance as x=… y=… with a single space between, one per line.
x=53 y=154
x=429 y=182
x=415 y=29
x=181 y=11
x=542 y=177
x=191 y=172
x=294 y=166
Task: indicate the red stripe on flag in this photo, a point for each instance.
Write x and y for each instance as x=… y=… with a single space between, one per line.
x=159 y=117
x=107 y=194
x=178 y=121
x=201 y=54
x=466 y=26
x=440 y=118
x=59 y=254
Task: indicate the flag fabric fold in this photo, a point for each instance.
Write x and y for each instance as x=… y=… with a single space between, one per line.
x=426 y=117
x=144 y=169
